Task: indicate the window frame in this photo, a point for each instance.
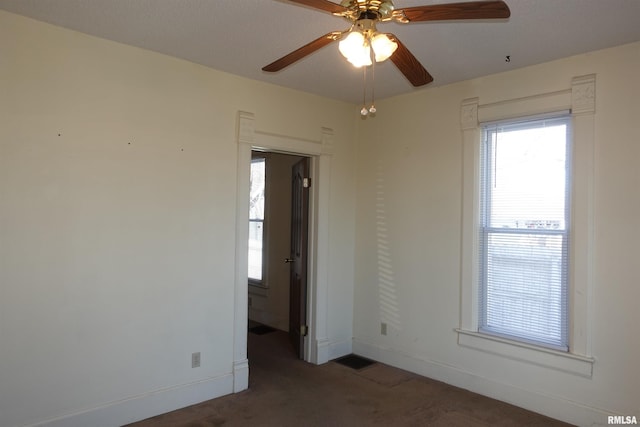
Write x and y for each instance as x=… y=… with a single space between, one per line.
x=487 y=165
x=262 y=283
x=580 y=98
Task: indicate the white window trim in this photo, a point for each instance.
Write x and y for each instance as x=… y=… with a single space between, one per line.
x=580 y=99
x=264 y=282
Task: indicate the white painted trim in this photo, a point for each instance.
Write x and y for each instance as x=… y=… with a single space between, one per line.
x=547 y=404
x=286 y=144
x=321 y=351
x=583 y=94
x=240 y=375
x=320 y=151
x=581 y=100
x=246 y=131
x=525 y=106
x=535 y=355
x=582 y=215
x=470 y=213
x=146 y=405
x=319 y=249
x=340 y=348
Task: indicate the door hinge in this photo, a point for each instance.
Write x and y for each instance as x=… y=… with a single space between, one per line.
x=306 y=182
x=303 y=330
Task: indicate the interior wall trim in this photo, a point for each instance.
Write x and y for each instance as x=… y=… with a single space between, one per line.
x=145 y=405
x=547 y=404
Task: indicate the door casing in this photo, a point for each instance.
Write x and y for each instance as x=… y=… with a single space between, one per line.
x=316 y=348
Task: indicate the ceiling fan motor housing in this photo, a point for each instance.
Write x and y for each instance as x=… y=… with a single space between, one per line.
x=366 y=26
x=380 y=10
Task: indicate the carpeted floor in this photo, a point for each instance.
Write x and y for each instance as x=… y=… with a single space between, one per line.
x=284 y=391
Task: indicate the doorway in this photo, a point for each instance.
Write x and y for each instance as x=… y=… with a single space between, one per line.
x=278 y=245
x=319 y=152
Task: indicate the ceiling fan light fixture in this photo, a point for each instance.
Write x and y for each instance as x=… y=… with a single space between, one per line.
x=383 y=47
x=361 y=45
x=355 y=47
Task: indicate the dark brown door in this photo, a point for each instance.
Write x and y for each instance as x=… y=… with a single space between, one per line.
x=298 y=261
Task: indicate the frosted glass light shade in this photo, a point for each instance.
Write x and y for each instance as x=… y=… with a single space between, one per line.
x=356 y=49
x=383 y=46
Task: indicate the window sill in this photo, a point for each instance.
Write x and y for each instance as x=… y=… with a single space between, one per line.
x=558 y=360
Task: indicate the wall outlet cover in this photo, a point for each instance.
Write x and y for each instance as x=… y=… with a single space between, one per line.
x=195 y=360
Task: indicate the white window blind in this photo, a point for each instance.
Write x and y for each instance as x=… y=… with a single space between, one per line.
x=524 y=231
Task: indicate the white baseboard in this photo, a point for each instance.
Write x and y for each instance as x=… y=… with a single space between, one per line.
x=326 y=350
x=340 y=348
x=551 y=406
x=240 y=375
x=321 y=351
x=146 y=405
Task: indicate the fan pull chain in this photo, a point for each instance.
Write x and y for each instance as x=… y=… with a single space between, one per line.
x=364 y=111
x=373 y=109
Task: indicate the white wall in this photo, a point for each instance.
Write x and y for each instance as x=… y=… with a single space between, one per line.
x=117 y=223
x=409 y=235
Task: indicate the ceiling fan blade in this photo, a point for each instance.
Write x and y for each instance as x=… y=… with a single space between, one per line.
x=454 y=11
x=409 y=65
x=323 y=5
x=300 y=53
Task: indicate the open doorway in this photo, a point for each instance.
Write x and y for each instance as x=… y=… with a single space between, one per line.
x=317 y=345
x=278 y=245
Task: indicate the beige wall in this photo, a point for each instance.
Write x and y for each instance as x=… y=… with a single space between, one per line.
x=408 y=263
x=117 y=223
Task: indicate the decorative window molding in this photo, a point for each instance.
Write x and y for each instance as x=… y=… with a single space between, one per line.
x=583 y=95
x=580 y=98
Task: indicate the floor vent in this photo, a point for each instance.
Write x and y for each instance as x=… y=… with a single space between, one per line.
x=354 y=361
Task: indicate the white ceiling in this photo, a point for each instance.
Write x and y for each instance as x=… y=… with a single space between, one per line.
x=241 y=36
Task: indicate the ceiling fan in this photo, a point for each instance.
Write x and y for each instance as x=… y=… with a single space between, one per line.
x=362 y=39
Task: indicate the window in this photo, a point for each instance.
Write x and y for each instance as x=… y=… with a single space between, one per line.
x=567 y=346
x=256 y=220
x=524 y=231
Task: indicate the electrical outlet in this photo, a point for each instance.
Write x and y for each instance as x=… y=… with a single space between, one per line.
x=195 y=360
x=383 y=328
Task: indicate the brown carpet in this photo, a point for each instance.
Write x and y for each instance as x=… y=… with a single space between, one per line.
x=284 y=391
